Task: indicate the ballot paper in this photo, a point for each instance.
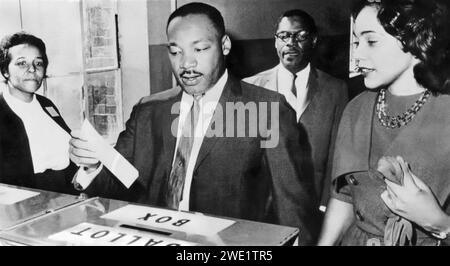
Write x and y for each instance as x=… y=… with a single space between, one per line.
x=109 y=157
x=9 y=195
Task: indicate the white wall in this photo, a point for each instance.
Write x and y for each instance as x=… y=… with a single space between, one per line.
x=9 y=17
x=57 y=23
x=133 y=41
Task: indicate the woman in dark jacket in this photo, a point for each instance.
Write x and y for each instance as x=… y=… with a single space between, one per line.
x=34 y=139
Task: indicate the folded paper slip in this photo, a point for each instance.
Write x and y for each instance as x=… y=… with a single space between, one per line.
x=109 y=157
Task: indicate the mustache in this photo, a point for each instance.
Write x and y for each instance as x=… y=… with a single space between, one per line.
x=292 y=50
x=189 y=73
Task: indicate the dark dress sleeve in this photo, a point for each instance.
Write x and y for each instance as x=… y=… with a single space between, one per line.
x=340 y=189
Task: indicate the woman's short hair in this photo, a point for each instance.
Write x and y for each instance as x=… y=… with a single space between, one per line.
x=16 y=39
x=422 y=26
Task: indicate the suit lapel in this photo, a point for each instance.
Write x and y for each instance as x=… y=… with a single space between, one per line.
x=313 y=88
x=15 y=141
x=270 y=81
x=169 y=118
x=230 y=94
x=52 y=112
x=170 y=127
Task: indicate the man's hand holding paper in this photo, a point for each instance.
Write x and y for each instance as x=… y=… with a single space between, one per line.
x=83 y=152
x=88 y=149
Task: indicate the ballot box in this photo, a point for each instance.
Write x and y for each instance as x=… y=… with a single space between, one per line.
x=106 y=222
x=19 y=205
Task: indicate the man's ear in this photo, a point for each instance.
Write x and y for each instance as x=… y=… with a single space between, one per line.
x=226 y=45
x=314 y=41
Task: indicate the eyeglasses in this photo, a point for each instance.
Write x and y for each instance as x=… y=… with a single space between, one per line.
x=298 y=36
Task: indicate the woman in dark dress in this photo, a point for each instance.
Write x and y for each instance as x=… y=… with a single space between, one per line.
x=34 y=139
x=391 y=171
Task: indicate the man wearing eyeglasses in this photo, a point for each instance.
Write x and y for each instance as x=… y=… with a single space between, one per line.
x=317 y=97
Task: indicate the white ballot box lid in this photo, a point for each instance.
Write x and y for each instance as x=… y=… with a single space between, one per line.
x=18 y=204
x=105 y=222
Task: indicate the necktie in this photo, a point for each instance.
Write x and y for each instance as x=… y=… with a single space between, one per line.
x=294 y=88
x=183 y=152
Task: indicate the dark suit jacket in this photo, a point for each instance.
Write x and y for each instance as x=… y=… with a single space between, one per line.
x=16 y=166
x=326 y=99
x=233 y=176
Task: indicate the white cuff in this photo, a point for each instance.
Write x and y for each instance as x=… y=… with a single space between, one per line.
x=82 y=179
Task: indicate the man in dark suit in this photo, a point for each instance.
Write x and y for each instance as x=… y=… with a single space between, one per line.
x=234 y=164
x=317 y=97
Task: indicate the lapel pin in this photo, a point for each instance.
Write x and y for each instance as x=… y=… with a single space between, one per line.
x=52 y=111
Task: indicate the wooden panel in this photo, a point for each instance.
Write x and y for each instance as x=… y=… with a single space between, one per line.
x=160 y=70
x=256 y=19
x=158 y=13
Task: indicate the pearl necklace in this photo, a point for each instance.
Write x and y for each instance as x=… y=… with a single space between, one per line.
x=397 y=121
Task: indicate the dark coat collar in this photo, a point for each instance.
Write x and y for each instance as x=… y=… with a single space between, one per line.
x=231 y=93
x=15 y=154
x=46 y=105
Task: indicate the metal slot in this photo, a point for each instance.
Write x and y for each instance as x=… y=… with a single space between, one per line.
x=145 y=229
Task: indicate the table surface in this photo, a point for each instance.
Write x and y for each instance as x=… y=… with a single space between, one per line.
x=14 y=214
x=50 y=213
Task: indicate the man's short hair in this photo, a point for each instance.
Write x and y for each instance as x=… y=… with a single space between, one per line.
x=196 y=8
x=304 y=17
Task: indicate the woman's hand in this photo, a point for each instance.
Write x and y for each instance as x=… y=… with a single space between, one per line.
x=390 y=168
x=415 y=201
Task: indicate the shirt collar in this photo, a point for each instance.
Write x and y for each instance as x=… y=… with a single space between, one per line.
x=209 y=100
x=302 y=74
x=15 y=104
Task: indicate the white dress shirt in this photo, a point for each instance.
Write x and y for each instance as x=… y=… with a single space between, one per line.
x=207 y=104
x=284 y=85
x=49 y=143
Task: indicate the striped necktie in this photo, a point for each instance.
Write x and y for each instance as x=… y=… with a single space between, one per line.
x=177 y=176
